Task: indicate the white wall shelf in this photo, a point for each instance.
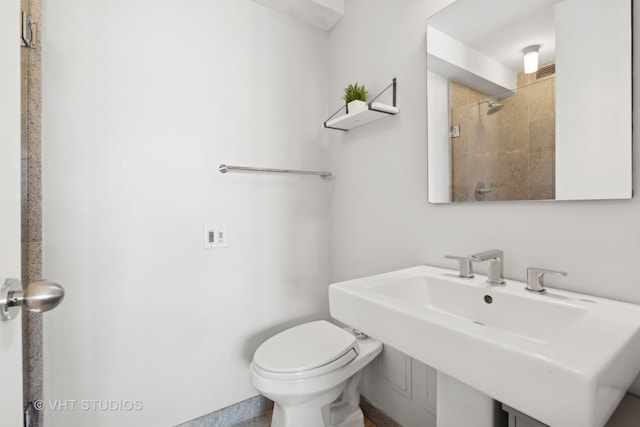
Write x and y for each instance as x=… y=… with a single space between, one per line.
x=374 y=111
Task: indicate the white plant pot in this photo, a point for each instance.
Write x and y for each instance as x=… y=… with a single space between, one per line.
x=356 y=105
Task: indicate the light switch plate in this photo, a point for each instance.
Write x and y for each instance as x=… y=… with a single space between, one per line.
x=215 y=236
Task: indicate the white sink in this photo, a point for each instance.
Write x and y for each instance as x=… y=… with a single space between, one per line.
x=563 y=358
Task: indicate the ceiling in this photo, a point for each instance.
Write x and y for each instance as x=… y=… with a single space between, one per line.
x=322 y=14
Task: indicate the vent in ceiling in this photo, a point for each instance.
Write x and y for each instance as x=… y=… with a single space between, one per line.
x=546 y=71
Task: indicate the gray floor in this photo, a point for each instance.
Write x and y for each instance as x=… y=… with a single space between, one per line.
x=627 y=414
x=263 y=420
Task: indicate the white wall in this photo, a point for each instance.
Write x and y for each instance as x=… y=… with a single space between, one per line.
x=380 y=218
x=142 y=101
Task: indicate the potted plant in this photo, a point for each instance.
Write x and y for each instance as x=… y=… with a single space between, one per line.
x=355 y=96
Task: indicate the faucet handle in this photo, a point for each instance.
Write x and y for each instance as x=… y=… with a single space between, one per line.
x=466 y=265
x=535 y=278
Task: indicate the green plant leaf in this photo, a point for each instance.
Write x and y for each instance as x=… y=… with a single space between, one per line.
x=355 y=92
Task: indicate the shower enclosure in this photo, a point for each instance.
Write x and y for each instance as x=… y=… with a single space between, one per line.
x=503 y=148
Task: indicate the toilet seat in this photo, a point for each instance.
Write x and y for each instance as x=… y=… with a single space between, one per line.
x=311 y=373
x=305 y=351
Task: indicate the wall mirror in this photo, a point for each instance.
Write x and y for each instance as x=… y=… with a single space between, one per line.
x=558 y=130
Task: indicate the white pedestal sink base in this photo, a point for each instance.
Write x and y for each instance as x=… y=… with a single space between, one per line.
x=461 y=405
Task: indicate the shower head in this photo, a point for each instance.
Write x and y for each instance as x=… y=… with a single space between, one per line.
x=494 y=107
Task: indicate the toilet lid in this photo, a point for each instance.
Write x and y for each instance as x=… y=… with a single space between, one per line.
x=304 y=347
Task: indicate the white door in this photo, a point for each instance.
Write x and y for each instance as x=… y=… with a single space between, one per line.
x=10 y=331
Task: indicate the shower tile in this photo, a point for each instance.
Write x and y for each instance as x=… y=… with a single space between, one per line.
x=525 y=79
x=512 y=169
x=460 y=168
x=515 y=109
x=462 y=193
x=541 y=100
x=475 y=96
x=484 y=140
x=553 y=90
x=542 y=135
x=541 y=173
x=478 y=168
x=463 y=114
x=516 y=192
x=507 y=192
x=461 y=95
x=514 y=138
x=466 y=138
x=541 y=193
x=457 y=94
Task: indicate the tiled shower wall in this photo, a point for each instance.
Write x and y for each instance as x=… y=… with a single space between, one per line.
x=511 y=151
x=31 y=156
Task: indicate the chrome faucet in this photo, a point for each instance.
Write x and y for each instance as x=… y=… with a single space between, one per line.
x=535 y=279
x=465 y=265
x=495 y=271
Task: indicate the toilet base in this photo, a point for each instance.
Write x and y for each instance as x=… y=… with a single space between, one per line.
x=346 y=412
x=354 y=419
x=307 y=413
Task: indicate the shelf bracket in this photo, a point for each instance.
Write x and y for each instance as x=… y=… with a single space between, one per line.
x=371 y=106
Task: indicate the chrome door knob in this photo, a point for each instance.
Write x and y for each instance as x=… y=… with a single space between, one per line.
x=38 y=297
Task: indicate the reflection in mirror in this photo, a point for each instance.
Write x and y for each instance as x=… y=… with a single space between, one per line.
x=500 y=131
x=506 y=141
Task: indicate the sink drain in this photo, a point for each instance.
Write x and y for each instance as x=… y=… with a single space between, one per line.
x=488 y=299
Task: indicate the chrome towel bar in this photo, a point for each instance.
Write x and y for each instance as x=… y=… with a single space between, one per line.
x=227 y=168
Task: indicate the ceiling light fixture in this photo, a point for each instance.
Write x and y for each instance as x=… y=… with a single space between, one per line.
x=531 y=58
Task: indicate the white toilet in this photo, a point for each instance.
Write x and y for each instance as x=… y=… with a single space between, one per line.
x=311 y=372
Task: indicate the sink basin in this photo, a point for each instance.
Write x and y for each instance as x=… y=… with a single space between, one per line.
x=563 y=358
x=536 y=319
